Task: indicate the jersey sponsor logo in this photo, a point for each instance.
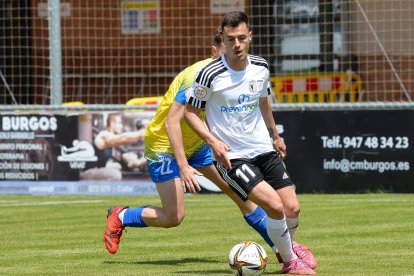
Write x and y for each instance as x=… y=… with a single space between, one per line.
x=200 y=92
x=243 y=99
x=240 y=107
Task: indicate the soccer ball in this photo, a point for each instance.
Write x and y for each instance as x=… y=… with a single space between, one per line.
x=247 y=258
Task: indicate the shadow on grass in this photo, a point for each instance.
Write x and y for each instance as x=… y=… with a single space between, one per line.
x=205 y=272
x=185 y=261
x=176 y=262
x=221 y=272
x=164 y=262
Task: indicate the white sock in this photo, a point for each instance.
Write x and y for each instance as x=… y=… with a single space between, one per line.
x=292 y=224
x=279 y=234
x=121 y=215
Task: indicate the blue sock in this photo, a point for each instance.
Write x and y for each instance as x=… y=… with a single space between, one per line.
x=133 y=217
x=257 y=220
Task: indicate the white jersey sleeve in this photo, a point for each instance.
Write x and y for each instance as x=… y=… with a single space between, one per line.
x=198 y=96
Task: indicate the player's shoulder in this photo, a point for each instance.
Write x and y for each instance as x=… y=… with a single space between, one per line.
x=214 y=63
x=186 y=77
x=210 y=71
x=259 y=61
x=196 y=67
x=200 y=64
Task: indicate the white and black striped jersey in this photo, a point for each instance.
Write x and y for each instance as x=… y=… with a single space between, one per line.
x=231 y=102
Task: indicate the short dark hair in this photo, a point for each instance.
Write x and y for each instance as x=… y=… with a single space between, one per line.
x=218 y=37
x=234 y=19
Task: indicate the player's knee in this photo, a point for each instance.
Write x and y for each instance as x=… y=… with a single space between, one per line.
x=292 y=211
x=174 y=220
x=275 y=209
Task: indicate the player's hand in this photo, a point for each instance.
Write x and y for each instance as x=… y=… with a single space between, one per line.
x=188 y=180
x=220 y=150
x=280 y=146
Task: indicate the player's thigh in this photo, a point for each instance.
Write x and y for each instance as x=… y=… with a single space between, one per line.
x=171 y=194
x=211 y=173
x=164 y=172
x=265 y=196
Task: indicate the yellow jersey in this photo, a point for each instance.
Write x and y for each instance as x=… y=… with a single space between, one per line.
x=156 y=138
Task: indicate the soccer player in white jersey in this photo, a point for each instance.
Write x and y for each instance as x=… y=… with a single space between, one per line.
x=233 y=91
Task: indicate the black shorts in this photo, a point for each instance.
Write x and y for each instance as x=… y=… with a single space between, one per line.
x=247 y=173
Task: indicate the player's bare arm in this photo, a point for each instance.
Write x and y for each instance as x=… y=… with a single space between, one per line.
x=173 y=127
x=266 y=110
x=220 y=149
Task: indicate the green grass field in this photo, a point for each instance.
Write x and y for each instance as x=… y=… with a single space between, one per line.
x=369 y=234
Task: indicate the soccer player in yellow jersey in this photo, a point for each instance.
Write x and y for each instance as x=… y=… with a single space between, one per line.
x=175 y=154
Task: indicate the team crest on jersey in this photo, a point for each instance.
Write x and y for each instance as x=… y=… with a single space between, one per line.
x=200 y=92
x=253 y=86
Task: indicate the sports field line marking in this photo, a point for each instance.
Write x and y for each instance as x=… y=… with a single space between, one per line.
x=24 y=203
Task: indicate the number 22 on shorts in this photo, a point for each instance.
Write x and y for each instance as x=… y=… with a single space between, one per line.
x=165 y=167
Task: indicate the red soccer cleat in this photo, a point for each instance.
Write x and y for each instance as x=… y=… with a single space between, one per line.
x=114 y=228
x=279 y=258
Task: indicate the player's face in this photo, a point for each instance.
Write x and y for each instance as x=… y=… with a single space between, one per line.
x=237 y=42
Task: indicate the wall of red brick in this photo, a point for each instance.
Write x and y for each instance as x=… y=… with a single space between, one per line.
x=92 y=43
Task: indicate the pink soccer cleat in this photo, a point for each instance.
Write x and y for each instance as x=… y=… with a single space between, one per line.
x=305 y=255
x=297 y=267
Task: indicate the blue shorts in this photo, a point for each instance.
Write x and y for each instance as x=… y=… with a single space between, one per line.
x=166 y=167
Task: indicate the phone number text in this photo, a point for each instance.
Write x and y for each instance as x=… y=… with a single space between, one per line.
x=369 y=142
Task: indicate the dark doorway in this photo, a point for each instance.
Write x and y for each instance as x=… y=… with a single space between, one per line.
x=15 y=52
